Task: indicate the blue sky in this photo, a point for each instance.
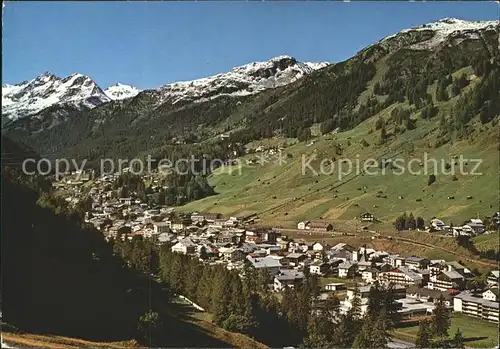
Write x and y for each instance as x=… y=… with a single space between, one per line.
x=149 y=44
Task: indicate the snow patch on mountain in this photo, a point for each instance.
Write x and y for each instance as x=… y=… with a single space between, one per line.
x=31 y=97
x=447 y=28
x=46 y=90
x=121 y=91
x=240 y=81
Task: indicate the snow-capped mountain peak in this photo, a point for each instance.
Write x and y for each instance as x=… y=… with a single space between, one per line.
x=46 y=76
x=121 y=91
x=446 y=28
x=451 y=25
x=45 y=90
x=240 y=81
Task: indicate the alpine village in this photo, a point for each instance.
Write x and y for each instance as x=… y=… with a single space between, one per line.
x=252 y=253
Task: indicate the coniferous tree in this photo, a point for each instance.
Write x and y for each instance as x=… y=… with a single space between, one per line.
x=411 y=223
x=250 y=308
x=249 y=278
x=383 y=135
x=364 y=338
x=424 y=335
x=236 y=294
x=344 y=334
x=263 y=279
x=441 y=319
x=303 y=307
x=149 y=326
x=380 y=333
x=355 y=311
x=441 y=93
x=420 y=223
x=431 y=179
x=459 y=84
x=389 y=313
x=379 y=123
x=124 y=193
x=205 y=287
x=220 y=302
x=401 y=222
x=321 y=328
x=351 y=323
x=374 y=301
x=304 y=134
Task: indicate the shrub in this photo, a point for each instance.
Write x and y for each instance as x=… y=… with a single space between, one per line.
x=432 y=179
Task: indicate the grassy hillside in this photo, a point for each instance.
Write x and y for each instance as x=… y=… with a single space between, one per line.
x=341 y=95
x=191 y=332
x=55 y=342
x=487 y=242
x=283 y=195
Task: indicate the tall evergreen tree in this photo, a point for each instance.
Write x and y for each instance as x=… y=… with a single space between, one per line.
x=374 y=301
x=420 y=223
x=220 y=300
x=424 y=335
x=411 y=223
x=364 y=338
x=441 y=319
x=441 y=93
x=383 y=135
x=380 y=333
x=351 y=323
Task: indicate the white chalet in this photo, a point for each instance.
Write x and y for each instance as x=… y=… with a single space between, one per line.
x=287 y=278
x=184 y=246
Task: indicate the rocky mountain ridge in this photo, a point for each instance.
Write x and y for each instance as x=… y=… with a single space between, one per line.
x=79 y=91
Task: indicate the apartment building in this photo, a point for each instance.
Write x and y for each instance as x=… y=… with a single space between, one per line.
x=416 y=262
x=401 y=276
x=477 y=307
x=447 y=280
x=399 y=293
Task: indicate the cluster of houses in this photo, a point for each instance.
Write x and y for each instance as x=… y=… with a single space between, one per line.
x=472 y=227
x=323 y=226
x=417 y=282
x=129 y=217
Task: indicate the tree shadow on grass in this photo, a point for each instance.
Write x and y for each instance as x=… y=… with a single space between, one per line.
x=182 y=332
